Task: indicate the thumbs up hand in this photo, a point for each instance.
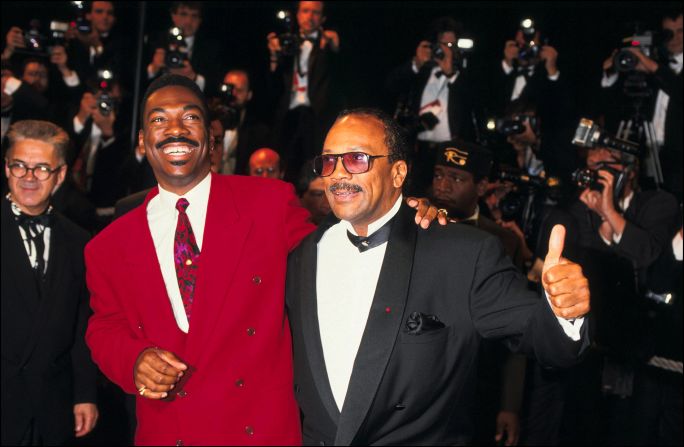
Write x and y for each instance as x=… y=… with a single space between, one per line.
x=563 y=281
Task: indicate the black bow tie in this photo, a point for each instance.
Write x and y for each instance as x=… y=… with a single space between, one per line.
x=44 y=219
x=379 y=237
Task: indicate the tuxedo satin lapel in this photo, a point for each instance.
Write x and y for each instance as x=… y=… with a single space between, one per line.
x=225 y=237
x=50 y=290
x=306 y=293
x=18 y=262
x=382 y=327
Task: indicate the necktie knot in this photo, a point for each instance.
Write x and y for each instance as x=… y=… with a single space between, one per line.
x=182 y=205
x=42 y=219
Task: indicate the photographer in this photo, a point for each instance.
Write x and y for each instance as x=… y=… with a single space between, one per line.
x=303 y=65
x=97 y=45
x=244 y=132
x=192 y=55
x=616 y=232
x=436 y=96
x=663 y=103
x=100 y=136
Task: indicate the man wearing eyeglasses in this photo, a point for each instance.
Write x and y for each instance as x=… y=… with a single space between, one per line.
x=387 y=320
x=48 y=379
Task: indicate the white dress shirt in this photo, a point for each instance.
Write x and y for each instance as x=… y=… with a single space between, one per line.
x=345 y=285
x=300 y=77
x=29 y=245
x=435 y=99
x=162 y=218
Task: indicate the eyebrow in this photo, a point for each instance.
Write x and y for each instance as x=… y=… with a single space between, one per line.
x=185 y=108
x=349 y=149
x=19 y=160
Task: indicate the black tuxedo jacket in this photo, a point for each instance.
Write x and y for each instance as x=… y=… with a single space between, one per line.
x=46 y=366
x=417 y=389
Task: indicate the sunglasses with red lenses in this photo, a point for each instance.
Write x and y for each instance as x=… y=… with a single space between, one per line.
x=353 y=162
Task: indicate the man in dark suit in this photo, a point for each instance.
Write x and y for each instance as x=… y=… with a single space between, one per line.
x=303 y=78
x=440 y=92
x=390 y=357
x=201 y=55
x=48 y=379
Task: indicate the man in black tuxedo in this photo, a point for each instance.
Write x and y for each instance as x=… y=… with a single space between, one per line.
x=48 y=378
x=439 y=90
x=303 y=78
x=389 y=358
x=201 y=55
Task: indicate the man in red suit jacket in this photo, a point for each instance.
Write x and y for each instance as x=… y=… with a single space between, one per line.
x=236 y=349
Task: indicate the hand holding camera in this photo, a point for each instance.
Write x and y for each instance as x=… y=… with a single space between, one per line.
x=14 y=39
x=549 y=55
x=330 y=38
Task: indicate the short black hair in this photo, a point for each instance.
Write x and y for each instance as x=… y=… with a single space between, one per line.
x=672 y=13
x=521 y=106
x=195 y=6
x=395 y=135
x=32 y=60
x=174 y=80
x=442 y=25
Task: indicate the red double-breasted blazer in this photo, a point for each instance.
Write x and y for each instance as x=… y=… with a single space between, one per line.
x=239 y=340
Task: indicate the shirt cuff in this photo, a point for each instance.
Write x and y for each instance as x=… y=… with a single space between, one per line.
x=570 y=327
x=617 y=238
x=78 y=125
x=73 y=80
x=677 y=246
x=200 y=81
x=554 y=77
x=605 y=241
x=608 y=81
x=12 y=85
x=506 y=68
x=414 y=67
x=151 y=73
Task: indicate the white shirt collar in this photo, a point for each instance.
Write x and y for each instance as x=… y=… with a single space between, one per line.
x=373 y=227
x=197 y=195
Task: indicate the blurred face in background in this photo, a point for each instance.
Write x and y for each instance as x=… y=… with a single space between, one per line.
x=36 y=75
x=674 y=45
x=310 y=16
x=188 y=20
x=265 y=163
x=102 y=17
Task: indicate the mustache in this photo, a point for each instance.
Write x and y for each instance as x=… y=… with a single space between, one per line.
x=171 y=140
x=344 y=187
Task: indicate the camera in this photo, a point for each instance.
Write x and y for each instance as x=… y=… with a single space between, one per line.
x=589 y=178
x=81 y=23
x=512 y=126
x=460 y=51
x=176 y=48
x=228 y=114
x=624 y=60
x=34 y=39
x=105 y=102
x=528 y=53
x=517 y=204
x=288 y=38
x=588 y=134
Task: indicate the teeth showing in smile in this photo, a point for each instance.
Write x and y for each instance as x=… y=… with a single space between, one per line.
x=177 y=150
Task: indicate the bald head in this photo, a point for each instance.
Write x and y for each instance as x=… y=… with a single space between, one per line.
x=265 y=162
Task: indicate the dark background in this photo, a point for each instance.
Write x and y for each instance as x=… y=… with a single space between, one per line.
x=377 y=36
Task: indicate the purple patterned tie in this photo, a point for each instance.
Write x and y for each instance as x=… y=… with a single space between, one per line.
x=185 y=256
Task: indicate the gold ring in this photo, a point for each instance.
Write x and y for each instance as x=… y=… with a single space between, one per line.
x=442 y=210
x=142 y=390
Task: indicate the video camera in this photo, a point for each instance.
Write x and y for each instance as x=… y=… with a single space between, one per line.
x=517 y=203
x=624 y=60
x=288 y=37
x=176 y=48
x=460 y=51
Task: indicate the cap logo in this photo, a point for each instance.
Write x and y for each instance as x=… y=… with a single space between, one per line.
x=455 y=156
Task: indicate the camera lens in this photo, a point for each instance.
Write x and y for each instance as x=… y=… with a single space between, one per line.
x=625 y=61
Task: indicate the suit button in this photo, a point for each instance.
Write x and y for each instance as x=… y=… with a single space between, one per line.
x=249 y=430
x=240 y=383
x=251 y=331
x=140 y=326
x=182 y=393
x=179 y=442
x=399 y=407
x=256 y=280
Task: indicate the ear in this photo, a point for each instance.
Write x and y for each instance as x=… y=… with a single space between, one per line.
x=399 y=172
x=61 y=175
x=141 y=141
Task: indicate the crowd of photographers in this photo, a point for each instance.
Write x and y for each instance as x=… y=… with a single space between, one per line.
x=504 y=150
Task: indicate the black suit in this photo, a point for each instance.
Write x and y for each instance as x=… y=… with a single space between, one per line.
x=417 y=389
x=46 y=366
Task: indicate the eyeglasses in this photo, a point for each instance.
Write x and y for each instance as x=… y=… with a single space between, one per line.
x=41 y=172
x=353 y=162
